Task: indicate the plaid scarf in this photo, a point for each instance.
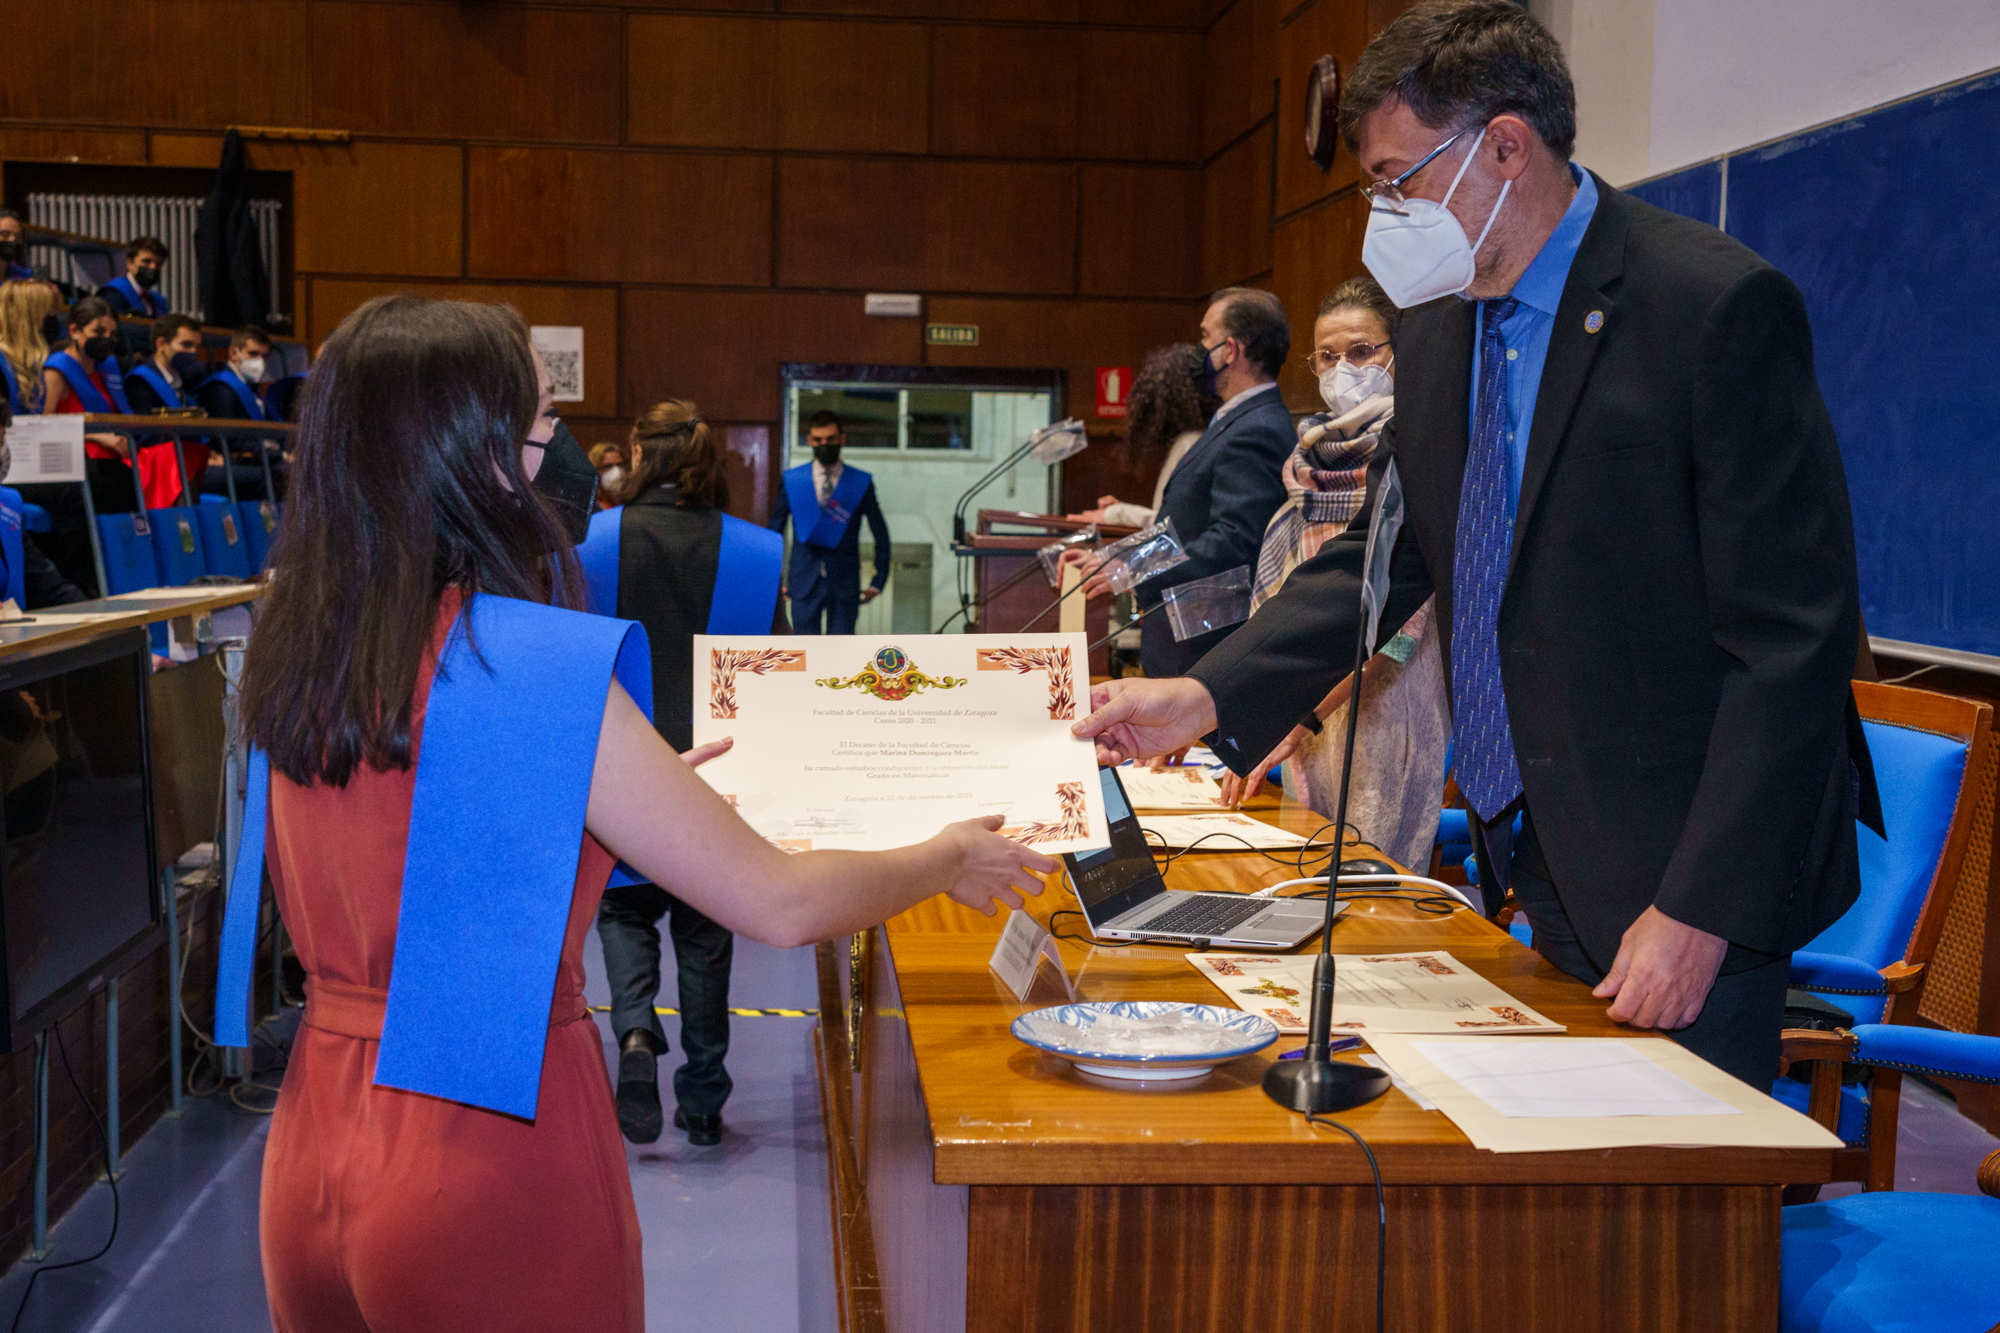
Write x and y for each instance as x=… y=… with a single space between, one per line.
x=1325 y=480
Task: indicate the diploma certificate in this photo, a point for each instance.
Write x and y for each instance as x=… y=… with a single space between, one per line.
x=865 y=742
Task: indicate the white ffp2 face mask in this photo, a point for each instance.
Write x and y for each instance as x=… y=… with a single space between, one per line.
x=1417 y=251
x=251 y=368
x=1346 y=386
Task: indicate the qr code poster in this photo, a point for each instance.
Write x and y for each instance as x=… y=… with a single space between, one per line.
x=562 y=353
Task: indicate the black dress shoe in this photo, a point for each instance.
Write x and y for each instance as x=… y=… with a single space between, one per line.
x=639 y=1095
x=703 y=1131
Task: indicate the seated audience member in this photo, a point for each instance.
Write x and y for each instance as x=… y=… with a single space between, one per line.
x=14 y=247
x=1405 y=723
x=137 y=293
x=231 y=393
x=42 y=584
x=24 y=306
x=609 y=460
x=1230 y=481
x=84 y=377
x=164 y=381
x=1169 y=411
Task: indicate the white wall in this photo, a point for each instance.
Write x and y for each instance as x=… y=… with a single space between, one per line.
x=1665 y=83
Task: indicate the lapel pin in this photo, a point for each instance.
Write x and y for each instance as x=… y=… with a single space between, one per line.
x=1593 y=321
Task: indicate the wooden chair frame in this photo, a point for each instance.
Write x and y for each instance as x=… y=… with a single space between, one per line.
x=1972 y=723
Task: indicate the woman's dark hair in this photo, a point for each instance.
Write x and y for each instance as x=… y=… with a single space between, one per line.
x=673 y=446
x=1361 y=293
x=1457 y=63
x=1166 y=402
x=89 y=310
x=407 y=481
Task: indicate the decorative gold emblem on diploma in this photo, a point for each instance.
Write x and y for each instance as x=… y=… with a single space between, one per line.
x=891 y=676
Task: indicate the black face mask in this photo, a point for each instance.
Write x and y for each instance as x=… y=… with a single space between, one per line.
x=185 y=364
x=11 y=252
x=146 y=278
x=826 y=454
x=99 y=348
x=568 y=483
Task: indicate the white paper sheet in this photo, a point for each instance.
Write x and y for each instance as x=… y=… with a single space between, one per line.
x=1407 y=1089
x=1179 y=788
x=1423 y=991
x=868 y=742
x=562 y=352
x=1587 y=1076
x=44 y=448
x=1224 y=832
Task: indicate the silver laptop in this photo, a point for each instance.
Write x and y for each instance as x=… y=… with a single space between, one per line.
x=1124 y=897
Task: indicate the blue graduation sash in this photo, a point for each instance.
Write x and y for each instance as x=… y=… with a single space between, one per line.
x=748 y=571
x=169 y=395
x=253 y=406
x=10 y=545
x=491 y=868
x=829 y=525
x=141 y=302
x=13 y=381
x=78 y=379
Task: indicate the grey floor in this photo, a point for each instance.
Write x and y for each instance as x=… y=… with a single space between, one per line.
x=736 y=1235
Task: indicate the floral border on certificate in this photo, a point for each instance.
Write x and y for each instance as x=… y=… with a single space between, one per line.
x=724 y=663
x=1055 y=661
x=1074 y=823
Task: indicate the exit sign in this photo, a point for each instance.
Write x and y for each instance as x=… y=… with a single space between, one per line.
x=952 y=335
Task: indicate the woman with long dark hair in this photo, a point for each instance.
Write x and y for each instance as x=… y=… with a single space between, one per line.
x=422 y=704
x=1168 y=412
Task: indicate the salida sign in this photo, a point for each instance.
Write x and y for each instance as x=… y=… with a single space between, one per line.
x=1114 y=386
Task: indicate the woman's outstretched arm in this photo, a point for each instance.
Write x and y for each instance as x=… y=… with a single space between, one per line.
x=657 y=816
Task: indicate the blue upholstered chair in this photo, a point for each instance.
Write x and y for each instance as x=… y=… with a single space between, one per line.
x=1934 y=764
x=1877 y=1262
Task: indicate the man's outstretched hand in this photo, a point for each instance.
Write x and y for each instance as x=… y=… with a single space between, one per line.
x=1137 y=719
x=1663 y=972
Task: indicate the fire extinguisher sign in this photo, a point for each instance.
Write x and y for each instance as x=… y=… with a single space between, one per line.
x=1114 y=387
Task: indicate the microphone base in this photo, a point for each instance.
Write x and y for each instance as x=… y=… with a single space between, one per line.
x=1319 y=1087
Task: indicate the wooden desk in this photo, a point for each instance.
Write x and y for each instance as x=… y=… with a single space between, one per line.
x=983 y=1185
x=57 y=626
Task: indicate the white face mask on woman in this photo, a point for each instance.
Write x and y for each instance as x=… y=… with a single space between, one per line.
x=1417 y=250
x=612 y=477
x=1346 y=386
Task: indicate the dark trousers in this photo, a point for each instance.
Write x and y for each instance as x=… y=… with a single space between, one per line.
x=628 y=924
x=1739 y=1024
x=839 y=607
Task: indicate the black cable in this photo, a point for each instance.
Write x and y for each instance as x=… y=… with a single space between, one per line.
x=102 y=1138
x=1381 y=1212
x=1321 y=850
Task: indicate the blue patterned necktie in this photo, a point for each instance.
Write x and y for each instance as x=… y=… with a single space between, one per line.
x=1487 y=771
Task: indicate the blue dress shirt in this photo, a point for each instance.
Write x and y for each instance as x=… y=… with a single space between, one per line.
x=1526 y=332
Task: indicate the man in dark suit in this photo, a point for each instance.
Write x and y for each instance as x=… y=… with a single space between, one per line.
x=1624 y=490
x=826 y=500
x=137 y=293
x=1224 y=491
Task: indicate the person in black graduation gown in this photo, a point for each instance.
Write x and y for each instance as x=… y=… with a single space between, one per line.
x=670 y=542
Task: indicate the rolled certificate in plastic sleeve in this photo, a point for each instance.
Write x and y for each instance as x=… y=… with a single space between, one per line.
x=1147 y=553
x=1203 y=606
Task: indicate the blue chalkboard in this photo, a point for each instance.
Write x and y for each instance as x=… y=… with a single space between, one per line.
x=1890 y=224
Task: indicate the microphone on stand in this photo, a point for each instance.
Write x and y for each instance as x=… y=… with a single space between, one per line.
x=1050 y=445
x=1317 y=1084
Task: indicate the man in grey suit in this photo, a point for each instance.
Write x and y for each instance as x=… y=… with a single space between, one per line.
x=1223 y=493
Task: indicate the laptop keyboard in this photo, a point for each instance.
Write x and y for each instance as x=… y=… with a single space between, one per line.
x=1205 y=914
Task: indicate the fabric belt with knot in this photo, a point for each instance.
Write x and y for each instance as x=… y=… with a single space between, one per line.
x=357 y=1011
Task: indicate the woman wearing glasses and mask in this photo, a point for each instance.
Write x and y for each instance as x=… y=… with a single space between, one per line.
x=1405 y=724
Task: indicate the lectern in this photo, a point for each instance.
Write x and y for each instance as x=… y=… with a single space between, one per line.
x=1009 y=585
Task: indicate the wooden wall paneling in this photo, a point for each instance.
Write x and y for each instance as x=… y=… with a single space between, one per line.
x=1140 y=97
x=595 y=309
x=1005 y=92
x=1139 y=231
x=363 y=207
x=702 y=82
x=1023 y=11
x=1211 y=10
x=1236 y=213
x=929 y=225
x=72 y=145
x=1311 y=255
x=612 y=216
x=723 y=349
x=1381 y=13
x=1327 y=27
x=1075 y=336
x=467 y=71
x=1150 y=13
x=854 y=87
x=1230 y=102
x=750 y=462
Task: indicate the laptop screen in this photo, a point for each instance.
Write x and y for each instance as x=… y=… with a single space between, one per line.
x=1113 y=881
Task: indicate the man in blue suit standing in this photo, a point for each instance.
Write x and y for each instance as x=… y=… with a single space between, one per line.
x=824 y=499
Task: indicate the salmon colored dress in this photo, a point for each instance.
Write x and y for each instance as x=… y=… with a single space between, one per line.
x=396 y=1212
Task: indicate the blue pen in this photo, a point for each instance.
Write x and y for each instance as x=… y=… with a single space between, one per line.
x=1334 y=1046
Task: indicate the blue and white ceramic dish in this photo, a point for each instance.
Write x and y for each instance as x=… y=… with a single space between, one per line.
x=1145 y=1039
